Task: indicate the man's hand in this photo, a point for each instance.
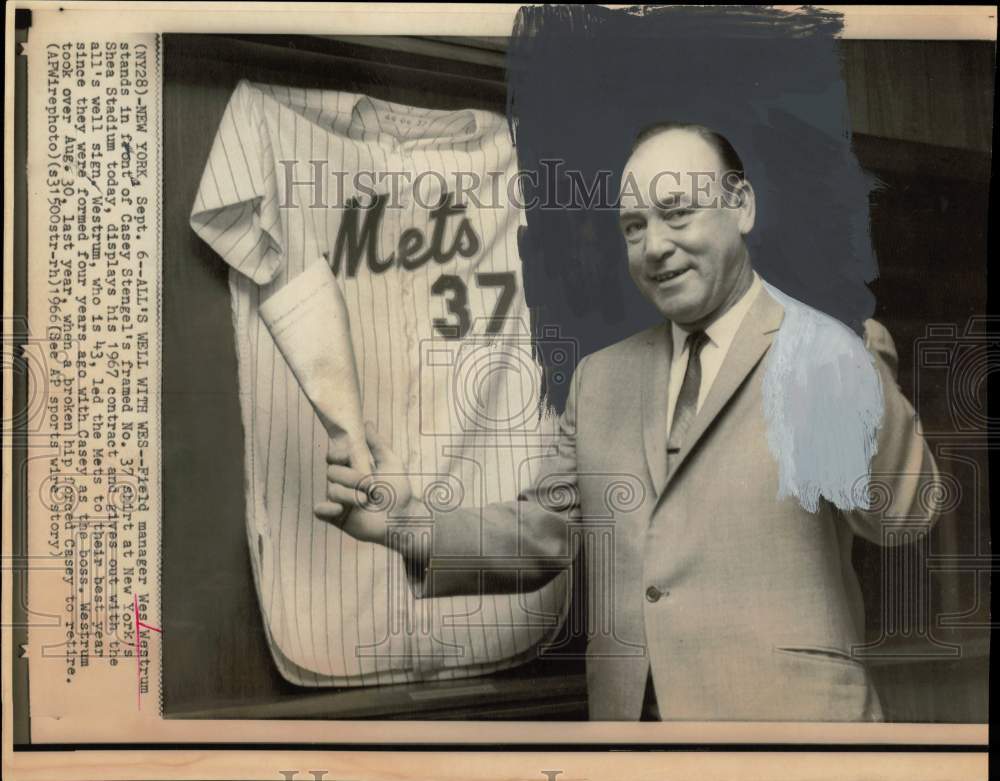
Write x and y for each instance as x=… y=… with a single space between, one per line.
x=360 y=503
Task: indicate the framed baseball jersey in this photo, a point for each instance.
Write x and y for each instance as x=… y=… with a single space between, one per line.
x=415 y=212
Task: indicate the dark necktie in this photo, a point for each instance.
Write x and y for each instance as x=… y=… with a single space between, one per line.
x=687 y=400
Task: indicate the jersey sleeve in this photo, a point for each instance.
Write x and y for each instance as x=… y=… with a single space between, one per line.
x=236 y=209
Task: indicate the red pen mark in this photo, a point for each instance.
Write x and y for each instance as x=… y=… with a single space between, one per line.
x=138 y=666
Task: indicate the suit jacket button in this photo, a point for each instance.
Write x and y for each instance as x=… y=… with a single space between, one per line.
x=653 y=594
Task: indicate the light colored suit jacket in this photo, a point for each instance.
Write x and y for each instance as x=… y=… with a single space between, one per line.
x=743 y=606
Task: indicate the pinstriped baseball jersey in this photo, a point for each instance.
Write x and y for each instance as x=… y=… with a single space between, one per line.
x=428 y=266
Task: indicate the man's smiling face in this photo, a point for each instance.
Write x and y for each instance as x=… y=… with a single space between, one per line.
x=684 y=220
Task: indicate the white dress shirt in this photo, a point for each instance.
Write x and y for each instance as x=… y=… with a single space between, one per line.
x=720 y=337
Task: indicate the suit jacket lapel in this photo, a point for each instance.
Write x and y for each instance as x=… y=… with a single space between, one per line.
x=752 y=340
x=656 y=378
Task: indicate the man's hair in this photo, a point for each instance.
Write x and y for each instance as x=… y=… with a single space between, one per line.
x=731 y=160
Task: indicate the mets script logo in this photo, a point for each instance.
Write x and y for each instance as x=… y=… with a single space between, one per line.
x=359 y=231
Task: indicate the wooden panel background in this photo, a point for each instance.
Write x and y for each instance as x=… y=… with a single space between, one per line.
x=930 y=92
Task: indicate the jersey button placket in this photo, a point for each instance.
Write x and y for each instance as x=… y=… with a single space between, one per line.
x=407 y=280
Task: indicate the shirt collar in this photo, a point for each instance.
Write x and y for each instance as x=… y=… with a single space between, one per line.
x=723 y=330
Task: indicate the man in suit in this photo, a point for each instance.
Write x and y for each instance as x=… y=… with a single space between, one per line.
x=725 y=589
